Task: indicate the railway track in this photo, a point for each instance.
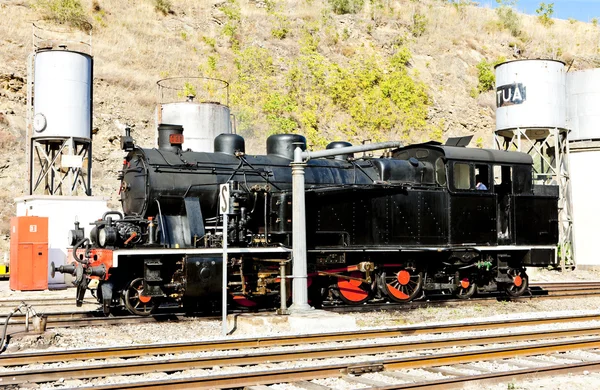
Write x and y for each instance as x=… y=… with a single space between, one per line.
x=386 y=346
x=391 y=367
x=249 y=379
x=96 y=318
x=356 y=374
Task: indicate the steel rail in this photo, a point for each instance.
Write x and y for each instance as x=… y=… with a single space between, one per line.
x=10 y=303
x=19 y=359
x=52 y=317
x=80 y=319
x=570 y=288
x=206 y=362
x=572 y=292
x=338 y=370
x=84 y=318
x=497 y=377
x=565 y=284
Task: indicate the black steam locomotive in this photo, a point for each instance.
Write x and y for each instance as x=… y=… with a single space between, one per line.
x=426 y=217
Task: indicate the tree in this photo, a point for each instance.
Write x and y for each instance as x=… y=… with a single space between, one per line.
x=545 y=13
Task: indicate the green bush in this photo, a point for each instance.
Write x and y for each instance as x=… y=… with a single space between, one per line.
x=367 y=96
x=279 y=109
x=69 y=12
x=508 y=17
x=99 y=14
x=212 y=62
x=401 y=58
x=545 y=13
x=279 y=32
x=188 y=90
x=232 y=11
x=342 y=7
x=271 y=5
x=163 y=6
x=212 y=42
x=485 y=76
x=419 y=24
x=282 y=26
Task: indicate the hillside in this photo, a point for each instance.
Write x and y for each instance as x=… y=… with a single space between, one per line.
x=404 y=69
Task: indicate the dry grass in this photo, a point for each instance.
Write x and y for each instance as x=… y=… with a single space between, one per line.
x=134 y=46
x=139 y=45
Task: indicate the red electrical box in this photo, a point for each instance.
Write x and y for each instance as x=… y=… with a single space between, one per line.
x=28 y=253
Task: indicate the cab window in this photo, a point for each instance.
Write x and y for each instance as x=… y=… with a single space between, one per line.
x=522 y=182
x=503 y=179
x=482 y=177
x=462 y=176
x=440 y=172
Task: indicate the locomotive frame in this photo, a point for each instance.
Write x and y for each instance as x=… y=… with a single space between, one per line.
x=389 y=228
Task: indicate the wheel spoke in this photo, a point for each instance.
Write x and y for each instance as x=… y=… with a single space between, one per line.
x=516 y=276
x=353 y=291
x=397 y=291
x=134 y=299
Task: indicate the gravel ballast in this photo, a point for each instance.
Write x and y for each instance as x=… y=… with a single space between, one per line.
x=191 y=329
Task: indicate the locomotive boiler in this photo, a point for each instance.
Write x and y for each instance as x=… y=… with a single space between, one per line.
x=417 y=219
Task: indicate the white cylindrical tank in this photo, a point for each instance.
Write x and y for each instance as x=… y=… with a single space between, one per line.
x=586 y=208
x=583 y=95
x=62 y=94
x=531 y=94
x=201 y=122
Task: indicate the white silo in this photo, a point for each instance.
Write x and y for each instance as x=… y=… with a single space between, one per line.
x=60 y=115
x=530 y=94
x=531 y=117
x=583 y=96
x=198 y=104
x=59 y=137
x=63 y=84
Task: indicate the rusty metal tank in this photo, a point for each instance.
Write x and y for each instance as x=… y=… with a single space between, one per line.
x=200 y=105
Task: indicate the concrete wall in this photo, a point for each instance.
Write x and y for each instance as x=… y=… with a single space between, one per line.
x=585 y=190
